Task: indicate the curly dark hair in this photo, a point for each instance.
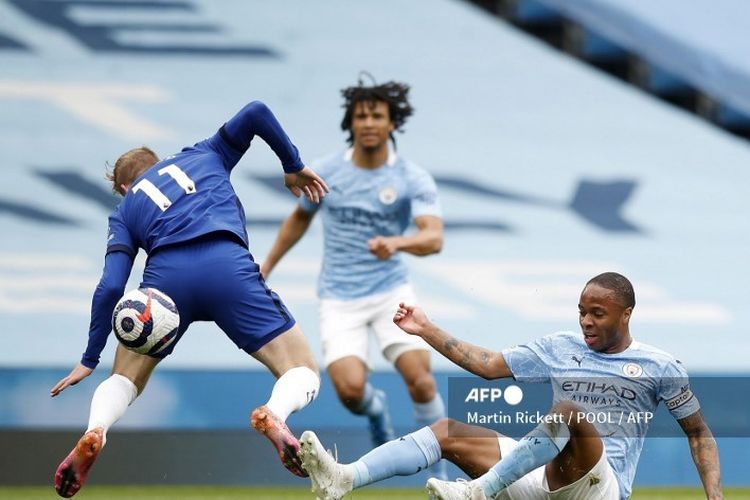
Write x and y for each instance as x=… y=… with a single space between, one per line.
x=394 y=94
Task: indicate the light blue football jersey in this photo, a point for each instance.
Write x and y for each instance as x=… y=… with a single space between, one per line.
x=620 y=386
x=364 y=203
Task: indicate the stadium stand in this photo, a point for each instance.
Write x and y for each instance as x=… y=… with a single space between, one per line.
x=690 y=53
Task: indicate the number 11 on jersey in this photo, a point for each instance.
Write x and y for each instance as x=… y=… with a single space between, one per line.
x=153 y=192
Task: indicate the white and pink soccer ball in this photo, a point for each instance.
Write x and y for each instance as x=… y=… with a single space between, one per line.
x=145 y=320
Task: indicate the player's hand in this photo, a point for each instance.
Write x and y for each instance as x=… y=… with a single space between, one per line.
x=306 y=182
x=383 y=247
x=411 y=319
x=78 y=373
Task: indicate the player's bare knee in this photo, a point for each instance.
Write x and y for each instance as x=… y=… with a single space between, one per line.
x=422 y=388
x=566 y=409
x=564 y=421
x=452 y=445
x=441 y=428
x=452 y=434
x=350 y=392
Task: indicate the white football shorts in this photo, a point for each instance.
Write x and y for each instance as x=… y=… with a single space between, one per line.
x=345 y=326
x=600 y=483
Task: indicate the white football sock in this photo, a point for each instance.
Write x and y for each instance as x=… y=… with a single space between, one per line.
x=294 y=390
x=111 y=399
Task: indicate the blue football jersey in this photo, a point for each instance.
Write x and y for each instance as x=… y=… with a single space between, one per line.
x=620 y=386
x=183 y=197
x=362 y=204
x=189 y=194
x=178 y=199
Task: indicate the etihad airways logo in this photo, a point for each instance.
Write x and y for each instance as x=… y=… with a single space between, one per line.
x=598 y=388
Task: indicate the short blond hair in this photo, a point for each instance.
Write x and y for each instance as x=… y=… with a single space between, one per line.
x=129 y=166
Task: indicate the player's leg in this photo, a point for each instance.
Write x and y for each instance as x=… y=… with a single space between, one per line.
x=414 y=367
x=233 y=293
x=228 y=289
x=411 y=357
x=221 y=283
x=474 y=449
x=349 y=378
x=291 y=361
x=289 y=358
x=582 y=452
x=111 y=399
x=344 y=336
x=569 y=446
x=130 y=373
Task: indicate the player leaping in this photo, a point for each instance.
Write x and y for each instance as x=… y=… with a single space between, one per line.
x=183 y=212
x=564 y=458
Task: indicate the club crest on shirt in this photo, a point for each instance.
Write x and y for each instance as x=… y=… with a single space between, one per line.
x=387 y=195
x=632 y=370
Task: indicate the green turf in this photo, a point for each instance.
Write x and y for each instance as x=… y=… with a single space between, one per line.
x=242 y=493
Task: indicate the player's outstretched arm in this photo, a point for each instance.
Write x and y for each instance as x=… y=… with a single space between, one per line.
x=78 y=373
x=257 y=119
x=477 y=360
x=705 y=453
x=117 y=266
x=306 y=182
x=292 y=229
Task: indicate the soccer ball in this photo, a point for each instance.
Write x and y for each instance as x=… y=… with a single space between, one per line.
x=145 y=320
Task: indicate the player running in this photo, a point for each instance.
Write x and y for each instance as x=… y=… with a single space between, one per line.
x=565 y=457
x=375 y=195
x=183 y=212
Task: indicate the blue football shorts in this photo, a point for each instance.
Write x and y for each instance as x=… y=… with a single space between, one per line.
x=215 y=278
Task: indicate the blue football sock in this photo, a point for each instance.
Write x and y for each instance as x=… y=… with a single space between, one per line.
x=534 y=450
x=426 y=414
x=372 y=403
x=404 y=456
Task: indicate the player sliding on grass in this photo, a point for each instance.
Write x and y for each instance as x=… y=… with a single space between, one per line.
x=564 y=458
x=183 y=212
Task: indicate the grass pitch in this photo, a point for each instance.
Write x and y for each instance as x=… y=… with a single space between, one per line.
x=245 y=493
